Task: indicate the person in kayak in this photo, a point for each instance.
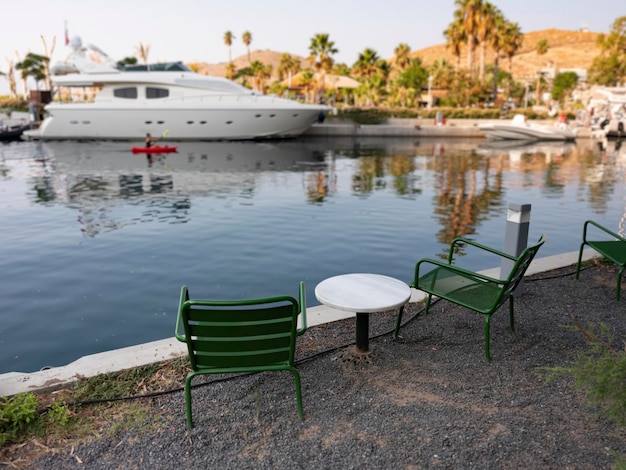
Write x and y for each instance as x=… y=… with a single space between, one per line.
x=149 y=140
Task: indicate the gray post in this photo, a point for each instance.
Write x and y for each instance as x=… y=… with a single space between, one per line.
x=516 y=237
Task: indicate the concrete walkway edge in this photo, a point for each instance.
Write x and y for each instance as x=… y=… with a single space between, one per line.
x=116 y=360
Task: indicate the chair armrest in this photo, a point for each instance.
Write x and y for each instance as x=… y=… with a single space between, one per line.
x=180 y=332
x=600 y=227
x=302 y=302
x=454 y=269
x=480 y=246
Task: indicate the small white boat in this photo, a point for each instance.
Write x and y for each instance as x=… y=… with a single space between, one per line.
x=519 y=129
x=97 y=100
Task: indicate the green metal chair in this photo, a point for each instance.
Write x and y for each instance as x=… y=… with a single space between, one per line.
x=610 y=245
x=480 y=293
x=234 y=336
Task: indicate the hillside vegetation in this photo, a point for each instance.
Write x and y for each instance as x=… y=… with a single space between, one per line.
x=567 y=50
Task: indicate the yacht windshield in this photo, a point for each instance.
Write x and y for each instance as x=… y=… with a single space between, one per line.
x=163 y=67
x=216 y=84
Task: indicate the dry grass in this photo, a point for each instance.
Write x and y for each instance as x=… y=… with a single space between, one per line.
x=91 y=421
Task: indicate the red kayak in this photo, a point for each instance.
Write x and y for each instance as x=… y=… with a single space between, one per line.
x=155 y=149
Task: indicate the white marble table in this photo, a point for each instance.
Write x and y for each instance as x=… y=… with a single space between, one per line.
x=362 y=293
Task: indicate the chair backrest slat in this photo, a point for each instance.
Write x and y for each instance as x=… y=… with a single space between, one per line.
x=240 y=334
x=517 y=272
x=521 y=265
x=234 y=336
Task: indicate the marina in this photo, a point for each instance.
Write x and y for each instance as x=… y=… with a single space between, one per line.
x=97 y=241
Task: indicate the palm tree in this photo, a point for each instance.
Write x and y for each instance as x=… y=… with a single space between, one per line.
x=340 y=68
x=288 y=66
x=231 y=69
x=11 y=78
x=609 y=67
x=23 y=74
x=228 y=40
x=402 y=55
x=48 y=53
x=371 y=90
x=442 y=72
x=488 y=16
x=306 y=82
x=368 y=64
x=541 y=49
x=247 y=39
x=33 y=65
x=512 y=42
x=321 y=51
x=142 y=52
x=469 y=16
x=260 y=73
x=455 y=38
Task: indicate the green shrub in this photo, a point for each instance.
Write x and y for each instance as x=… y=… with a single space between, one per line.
x=379 y=115
x=16 y=414
x=19 y=414
x=600 y=370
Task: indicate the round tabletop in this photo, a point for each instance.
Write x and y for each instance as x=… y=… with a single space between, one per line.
x=362 y=292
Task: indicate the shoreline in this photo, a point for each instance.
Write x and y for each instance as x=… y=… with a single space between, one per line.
x=12 y=383
x=463 y=128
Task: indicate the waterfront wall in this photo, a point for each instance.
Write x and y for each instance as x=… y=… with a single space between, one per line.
x=464 y=128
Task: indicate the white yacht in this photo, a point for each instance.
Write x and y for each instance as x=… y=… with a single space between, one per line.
x=94 y=99
x=519 y=129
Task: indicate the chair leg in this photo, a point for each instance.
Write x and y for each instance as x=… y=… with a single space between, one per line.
x=511 y=314
x=487 y=337
x=296 y=376
x=188 y=399
x=430 y=296
x=580 y=257
x=619 y=281
x=398 y=321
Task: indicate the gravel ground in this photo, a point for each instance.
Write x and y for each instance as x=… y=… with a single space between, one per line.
x=427 y=400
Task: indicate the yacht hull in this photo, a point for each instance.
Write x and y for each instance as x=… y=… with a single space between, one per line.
x=86 y=122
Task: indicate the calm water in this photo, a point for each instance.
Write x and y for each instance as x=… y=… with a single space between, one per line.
x=96 y=242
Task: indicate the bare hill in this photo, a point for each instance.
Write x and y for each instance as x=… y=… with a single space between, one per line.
x=566 y=50
x=265 y=56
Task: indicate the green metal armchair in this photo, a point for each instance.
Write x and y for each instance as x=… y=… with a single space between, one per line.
x=234 y=336
x=478 y=292
x=610 y=245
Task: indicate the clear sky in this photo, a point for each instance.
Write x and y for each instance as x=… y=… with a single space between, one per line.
x=193 y=30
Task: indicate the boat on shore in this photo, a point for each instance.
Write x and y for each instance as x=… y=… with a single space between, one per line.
x=12 y=133
x=520 y=129
x=97 y=100
x=609 y=112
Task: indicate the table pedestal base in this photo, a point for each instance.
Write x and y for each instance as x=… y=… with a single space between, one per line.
x=354 y=356
x=362 y=332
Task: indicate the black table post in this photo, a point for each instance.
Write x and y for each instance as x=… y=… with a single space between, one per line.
x=362 y=332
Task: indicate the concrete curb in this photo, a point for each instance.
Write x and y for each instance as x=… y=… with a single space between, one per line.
x=466 y=128
x=116 y=360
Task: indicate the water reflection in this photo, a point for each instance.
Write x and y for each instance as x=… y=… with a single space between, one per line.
x=470 y=179
x=469 y=188
x=98 y=178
